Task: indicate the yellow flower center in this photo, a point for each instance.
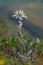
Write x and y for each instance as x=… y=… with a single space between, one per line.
x=19 y=14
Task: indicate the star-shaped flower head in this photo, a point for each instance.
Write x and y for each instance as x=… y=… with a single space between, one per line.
x=19 y=14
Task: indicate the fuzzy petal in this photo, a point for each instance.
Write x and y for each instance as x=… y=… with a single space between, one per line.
x=22 y=12
x=13 y=15
x=24 y=16
x=16 y=12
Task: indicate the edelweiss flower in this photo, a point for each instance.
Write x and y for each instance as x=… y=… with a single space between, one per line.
x=19 y=14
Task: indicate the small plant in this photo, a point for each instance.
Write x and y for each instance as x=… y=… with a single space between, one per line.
x=21 y=46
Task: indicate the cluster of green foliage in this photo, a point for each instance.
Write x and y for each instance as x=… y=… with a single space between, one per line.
x=21 y=47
